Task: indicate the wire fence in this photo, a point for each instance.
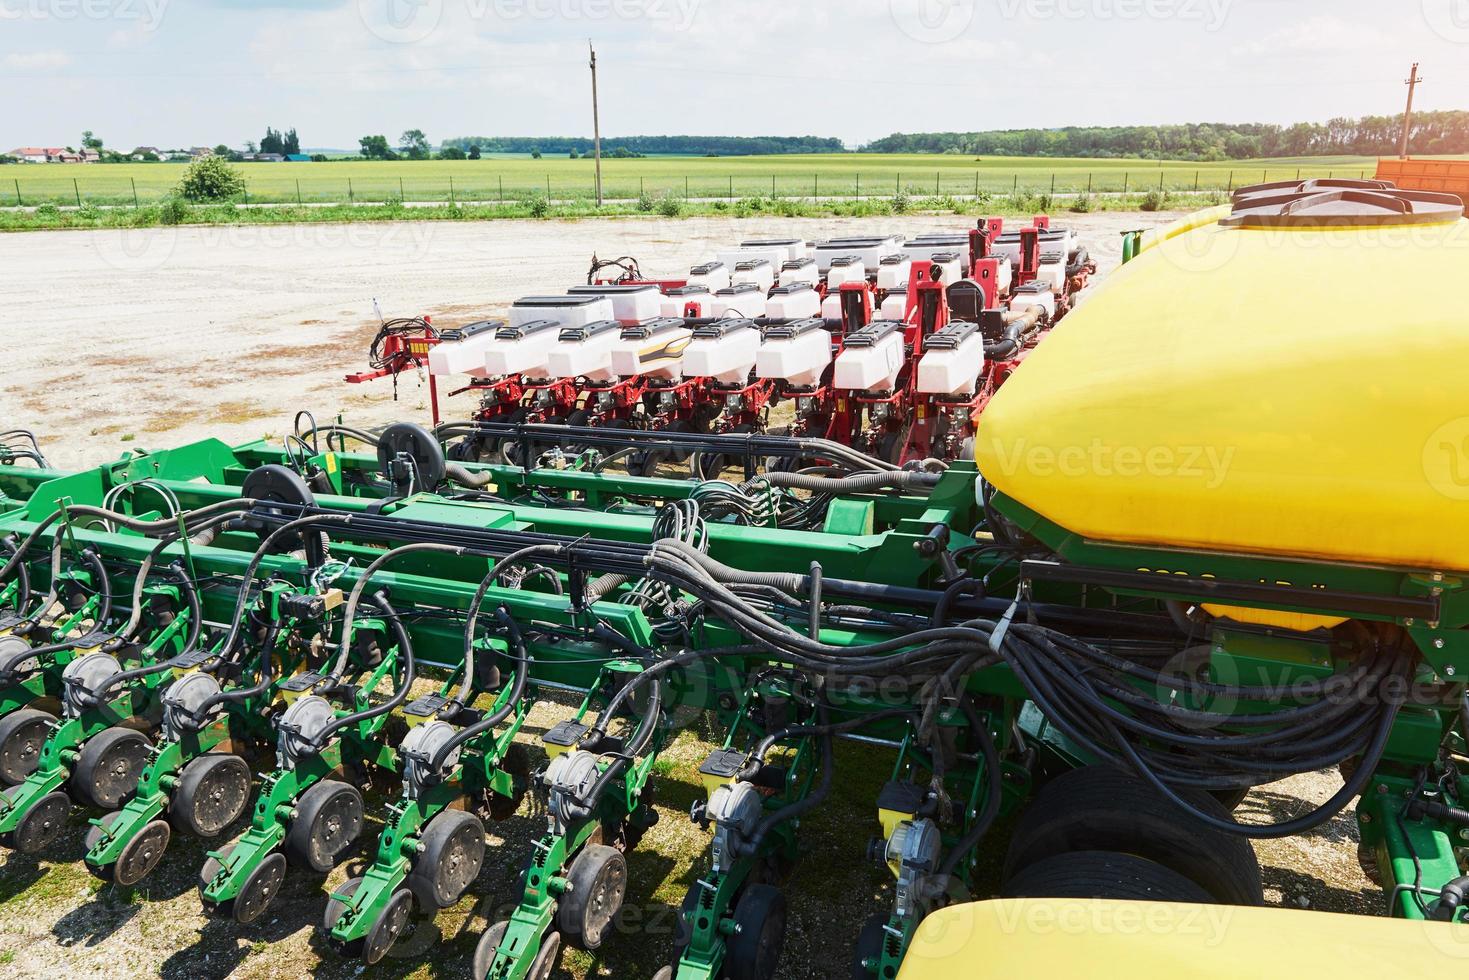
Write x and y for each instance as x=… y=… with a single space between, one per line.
x=104 y=191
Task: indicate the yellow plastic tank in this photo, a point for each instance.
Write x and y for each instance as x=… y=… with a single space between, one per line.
x=1289 y=376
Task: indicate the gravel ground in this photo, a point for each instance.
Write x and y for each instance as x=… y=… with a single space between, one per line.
x=156 y=337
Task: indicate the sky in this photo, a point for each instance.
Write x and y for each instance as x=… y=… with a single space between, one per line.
x=176 y=73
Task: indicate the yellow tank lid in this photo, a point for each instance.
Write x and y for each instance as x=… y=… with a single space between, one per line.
x=1282 y=379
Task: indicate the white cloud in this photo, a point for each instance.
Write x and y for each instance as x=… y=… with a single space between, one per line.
x=1322 y=35
x=36 y=61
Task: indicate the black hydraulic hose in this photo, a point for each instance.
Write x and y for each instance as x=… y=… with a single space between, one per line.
x=834 y=728
x=104 y=583
x=197 y=716
x=350 y=613
x=517 y=691
x=22 y=577
x=795 y=809
x=472 y=618
x=993 y=776
x=467 y=478
x=856 y=483
x=405 y=649
x=196 y=624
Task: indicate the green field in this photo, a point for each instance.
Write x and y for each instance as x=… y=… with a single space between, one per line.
x=798 y=176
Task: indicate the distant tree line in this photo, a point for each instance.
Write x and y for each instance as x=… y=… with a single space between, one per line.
x=1432 y=133
x=644 y=145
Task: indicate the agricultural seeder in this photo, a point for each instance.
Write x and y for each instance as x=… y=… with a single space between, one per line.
x=854 y=334
x=1110 y=634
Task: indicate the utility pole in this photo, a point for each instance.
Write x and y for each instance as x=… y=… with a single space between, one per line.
x=596 y=125
x=1412 y=82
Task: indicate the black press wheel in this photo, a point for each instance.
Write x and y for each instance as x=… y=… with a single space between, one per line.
x=260 y=889
x=328 y=819
x=23 y=734
x=141 y=854
x=212 y=793
x=92 y=839
x=545 y=961
x=1099 y=808
x=450 y=852
x=760 y=930
x=488 y=946
x=212 y=867
x=42 y=823
x=390 y=923
x=597 y=882
x=869 y=948
x=334 y=909
x=108 y=767
x=1103 y=874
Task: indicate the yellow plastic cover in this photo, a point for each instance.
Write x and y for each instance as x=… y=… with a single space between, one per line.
x=1006 y=939
x=1298 y=392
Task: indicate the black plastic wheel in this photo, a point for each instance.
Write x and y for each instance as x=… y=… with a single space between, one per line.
x=485 y=949
x=23 y=734
x=545 y=961
x=141 y=854
x=450 y=852
x=42 y=823
x=274 y=483
x=259 y=889
x=334 y=909
x=107 y=770
x=869 y=947
x=328 y=819
x=760 y=932
x=211 y=867
x=597 y=883
x=890 y=446
x=1098 y=808
x=1103 y=874
x=212 y=792
x=391 y=922
x=92 y=839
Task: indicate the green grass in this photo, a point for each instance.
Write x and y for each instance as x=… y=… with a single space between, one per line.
x=560 y=178
x=50 y=217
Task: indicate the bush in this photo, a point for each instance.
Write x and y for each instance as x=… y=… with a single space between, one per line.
x=211 y=179
x=1043 y=202
x=173 y=211
x=900 y=203
x=539 y=206
x=1082 y=204
x=89 y=211
x=1215 y=198
x=646 y=203
x=1154 y=200
x=48 y=210
x=670 y=207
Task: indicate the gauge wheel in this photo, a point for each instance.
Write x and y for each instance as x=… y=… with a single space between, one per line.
x=23 y=734
x=212 y=792
x=108 y=768
x=450 y=853
x=328 y=819
x=596 y=886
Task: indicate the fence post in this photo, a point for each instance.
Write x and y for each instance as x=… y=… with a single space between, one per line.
x=298 y=191
x=1015 y=186
x=1298 y=173
x=451 y=189
x=936 y=175
x=548 y=187
x=976 y=184
x=247 y=192
x=898 y=182
x=1196 y=181
x=18 y=201
x=77 y=190
x=402 y=194
x=1088 y=184
x=501 y=179
x=1265 y=176
x=772 y=185
x=815 y=185
x=1160 y=179
x=1231 y=180
x=859 y=185
x=134 y=182
x=1124 y=181
x=1053 y=182
x=731 y=187
x=686 y=187
x=351 y=198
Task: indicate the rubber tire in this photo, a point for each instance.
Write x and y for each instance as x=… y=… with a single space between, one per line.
x=755 y=946
x=217 y=777
x=141 y=855
x=869 y=945
x=42 y=824
x=451 y=851
x=334 y=910
x=587 y=908
x=388 y=926
x=545 y=961
x=207 y=871
x=485 y=949
x=93 y=836
x=1098 y=808
x=268 y=874
x=301 y=846
x=126 y=751
x=1104 y=874
x=23 y=734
